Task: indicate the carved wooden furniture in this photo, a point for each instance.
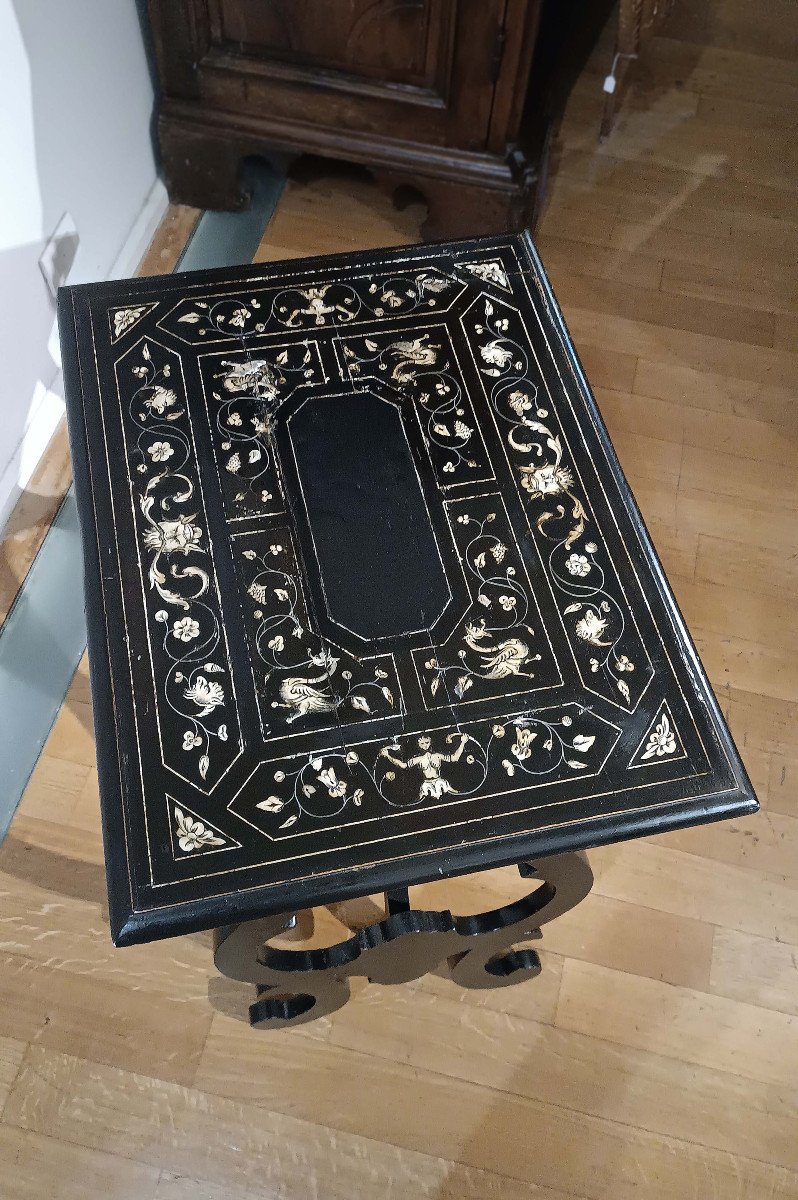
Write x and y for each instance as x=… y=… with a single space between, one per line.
x=455 y=97
x=369 y=603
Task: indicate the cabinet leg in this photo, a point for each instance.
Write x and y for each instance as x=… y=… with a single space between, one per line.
x=465 y=209
x=202 y=169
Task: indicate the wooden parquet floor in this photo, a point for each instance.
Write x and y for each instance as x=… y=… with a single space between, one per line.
x=657 y=1056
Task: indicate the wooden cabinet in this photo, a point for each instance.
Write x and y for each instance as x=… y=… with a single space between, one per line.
x=434 y=93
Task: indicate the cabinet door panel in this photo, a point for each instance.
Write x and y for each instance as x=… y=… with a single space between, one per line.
x=419 y=70
x=394 y=40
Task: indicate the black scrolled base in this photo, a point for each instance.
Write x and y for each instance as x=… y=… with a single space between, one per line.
x=295 y=986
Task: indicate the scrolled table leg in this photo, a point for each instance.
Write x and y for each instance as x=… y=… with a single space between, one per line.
x=295 y=986
x=302 y=991
x=565 y=880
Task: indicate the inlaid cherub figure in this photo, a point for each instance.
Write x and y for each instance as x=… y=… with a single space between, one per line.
x=429 y=763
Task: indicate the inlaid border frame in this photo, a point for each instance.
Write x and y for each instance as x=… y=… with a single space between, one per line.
x=134 y=921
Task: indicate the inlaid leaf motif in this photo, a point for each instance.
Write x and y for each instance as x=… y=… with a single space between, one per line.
x=192 y=834
x=271 y=804
x=662 y=741
x=126 y=318
x=490 y=272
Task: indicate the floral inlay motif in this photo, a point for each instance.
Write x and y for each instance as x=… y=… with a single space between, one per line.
x=192 y=835
x=123 y=319
x=595 y=612
x=662 y=741
x=427 y=768
x=491 y=271
x=578 y=564
x=207 y=696
x=179 y=570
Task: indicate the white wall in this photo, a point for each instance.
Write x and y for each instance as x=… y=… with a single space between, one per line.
x=76 y=105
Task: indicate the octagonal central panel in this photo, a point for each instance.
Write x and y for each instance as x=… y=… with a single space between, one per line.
x=377 y=554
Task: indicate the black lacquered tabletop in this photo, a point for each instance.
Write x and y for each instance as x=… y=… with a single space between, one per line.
x=369 y=599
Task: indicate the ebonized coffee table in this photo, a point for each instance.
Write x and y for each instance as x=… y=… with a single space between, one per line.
x=370 y=603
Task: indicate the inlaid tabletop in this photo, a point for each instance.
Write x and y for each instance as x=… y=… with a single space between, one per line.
x=369 y=599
